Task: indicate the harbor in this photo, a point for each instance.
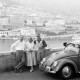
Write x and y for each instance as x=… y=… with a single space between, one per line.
x=57 y=22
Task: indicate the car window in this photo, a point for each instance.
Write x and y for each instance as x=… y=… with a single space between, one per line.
x=72 y=48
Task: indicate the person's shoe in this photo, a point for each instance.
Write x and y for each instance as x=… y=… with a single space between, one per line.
x=16 y=70
x=21 y=71
x=31 y=70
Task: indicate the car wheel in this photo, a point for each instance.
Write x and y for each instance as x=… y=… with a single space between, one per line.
x=66 y=72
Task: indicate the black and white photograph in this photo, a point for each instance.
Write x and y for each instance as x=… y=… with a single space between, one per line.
x=39 y=39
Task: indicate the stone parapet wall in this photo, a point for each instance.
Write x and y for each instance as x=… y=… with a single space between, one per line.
x=8 y=59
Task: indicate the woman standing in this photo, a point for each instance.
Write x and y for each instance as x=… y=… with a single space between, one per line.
x=31 y=60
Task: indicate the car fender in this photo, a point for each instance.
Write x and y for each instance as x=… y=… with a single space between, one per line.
x=63 y=62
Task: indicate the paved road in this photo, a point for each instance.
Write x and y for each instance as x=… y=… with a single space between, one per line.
x=36 y=75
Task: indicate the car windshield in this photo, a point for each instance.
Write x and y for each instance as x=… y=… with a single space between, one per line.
x=72 y=48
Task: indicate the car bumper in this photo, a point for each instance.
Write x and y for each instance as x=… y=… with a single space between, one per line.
x=48 y=69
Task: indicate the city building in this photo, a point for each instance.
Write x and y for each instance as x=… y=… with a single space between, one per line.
x=14 y=33
x=4 y=33
x=28 y=31
x=72 y=28
x=55 y=22
x=55 y=25
x=11 y=33
x=17 y=20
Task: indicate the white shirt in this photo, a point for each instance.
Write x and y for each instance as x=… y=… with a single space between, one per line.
x=39 y=44
x=29 y=46
x=18 y=45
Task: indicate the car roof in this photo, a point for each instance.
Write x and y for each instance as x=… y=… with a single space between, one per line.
x=76 y=42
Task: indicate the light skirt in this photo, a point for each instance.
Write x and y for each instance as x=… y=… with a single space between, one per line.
x=31 y=58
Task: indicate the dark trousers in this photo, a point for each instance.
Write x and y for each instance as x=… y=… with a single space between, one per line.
x=40 y=55
x=20 y=58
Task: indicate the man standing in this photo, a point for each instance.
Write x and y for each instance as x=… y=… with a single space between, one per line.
x=41 y=44
x=20 y=53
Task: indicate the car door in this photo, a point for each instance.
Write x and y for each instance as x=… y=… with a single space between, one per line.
x=79 y=60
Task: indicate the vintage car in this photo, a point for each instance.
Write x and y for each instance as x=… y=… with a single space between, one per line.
x=64 y=62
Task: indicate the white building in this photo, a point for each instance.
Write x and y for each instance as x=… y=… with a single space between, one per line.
x=4 y=21
x=55 y=22
x=39 y=24
x=12 y=33
x=55 y=29
x=28 y=31
x=29 y=22
x=2 y=9
x=4 y=33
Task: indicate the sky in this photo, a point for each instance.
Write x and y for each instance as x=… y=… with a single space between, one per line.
x=70 y=7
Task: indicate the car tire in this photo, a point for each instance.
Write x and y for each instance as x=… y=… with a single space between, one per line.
x=66 y=72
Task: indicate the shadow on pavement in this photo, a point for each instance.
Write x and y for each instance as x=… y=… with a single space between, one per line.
x=56 y=77
x=75 y=77
x=53 y=76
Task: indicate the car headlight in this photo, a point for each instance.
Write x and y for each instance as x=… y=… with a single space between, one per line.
x=55 y=64
x=43 y=60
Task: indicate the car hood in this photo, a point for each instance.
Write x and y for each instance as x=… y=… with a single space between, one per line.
x=59 y=55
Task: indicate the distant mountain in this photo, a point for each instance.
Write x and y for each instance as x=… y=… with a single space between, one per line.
x=8 y=3
x=13 y=8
